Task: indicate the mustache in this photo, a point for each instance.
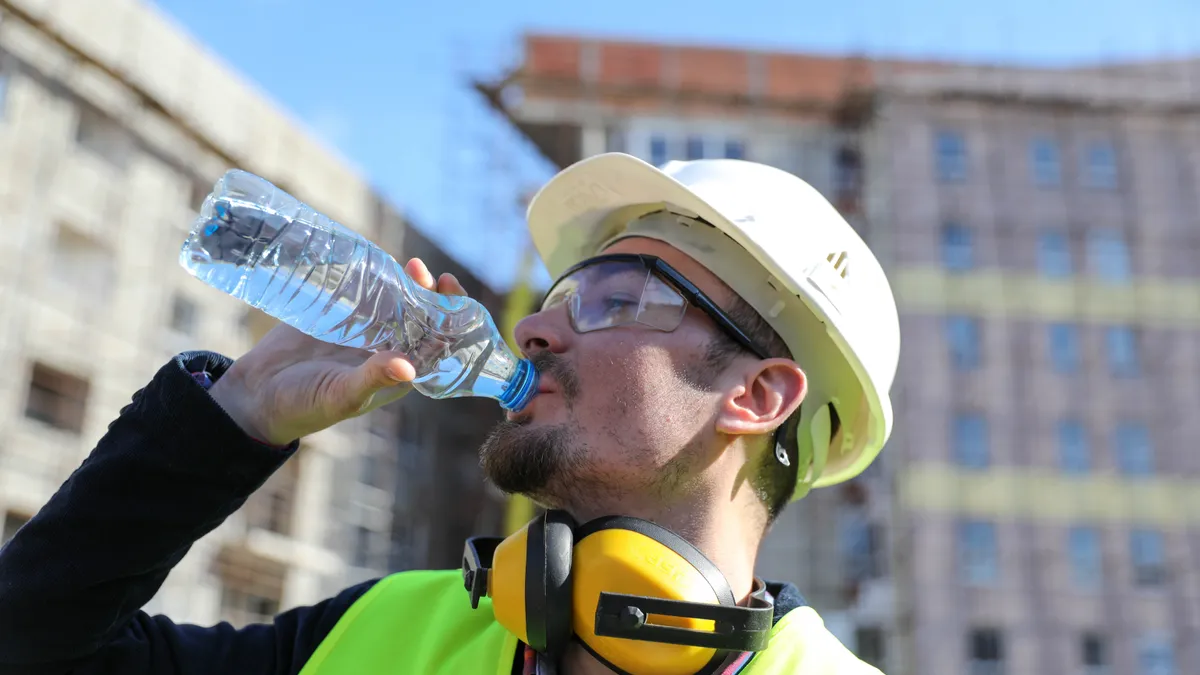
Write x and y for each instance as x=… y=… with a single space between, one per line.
x=556 y=367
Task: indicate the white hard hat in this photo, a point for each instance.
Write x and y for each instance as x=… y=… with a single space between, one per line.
x=783 y=248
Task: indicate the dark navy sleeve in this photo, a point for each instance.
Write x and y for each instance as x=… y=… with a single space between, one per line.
x=73 y=580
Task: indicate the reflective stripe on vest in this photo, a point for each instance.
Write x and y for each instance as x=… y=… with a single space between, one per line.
x=421 y=623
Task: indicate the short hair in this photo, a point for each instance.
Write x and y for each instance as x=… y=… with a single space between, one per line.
x=773 y=482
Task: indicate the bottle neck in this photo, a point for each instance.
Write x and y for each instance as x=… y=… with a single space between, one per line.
x=522 y=386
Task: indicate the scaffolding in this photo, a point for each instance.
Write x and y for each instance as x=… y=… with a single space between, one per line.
x=877 y=184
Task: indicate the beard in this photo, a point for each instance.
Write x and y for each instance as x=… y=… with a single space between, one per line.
x=521 y=459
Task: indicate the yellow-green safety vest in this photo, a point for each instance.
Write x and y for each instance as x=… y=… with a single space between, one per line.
x=421 y=623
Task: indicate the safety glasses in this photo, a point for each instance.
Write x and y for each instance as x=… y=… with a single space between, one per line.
x=623 y=289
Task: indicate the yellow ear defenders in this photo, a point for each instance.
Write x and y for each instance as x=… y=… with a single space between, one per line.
x=640 y=598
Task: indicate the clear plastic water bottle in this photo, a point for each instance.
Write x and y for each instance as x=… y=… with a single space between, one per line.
x=266 y=248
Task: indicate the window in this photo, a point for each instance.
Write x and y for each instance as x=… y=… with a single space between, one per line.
x=977 y=553
x=1148 y=552
x=1093 y=654
x=93 y=273
x=735 y=149
x=1047 y=169
x=869 y=645
x=1083 y=550
x=1156 y=656
x=658 y=150
x=99 y=134
x=1064 y=347
x=369 y=468
x=376 y=468
x=985 y=647
x=1054 y=255
x=957 y=247
x=695 y=147
x=951 y=151
x=241 y=608
x=1122 y=347
x=1108 y=255
x=1100 y=171
x=271 y=506
x=861 y=549
x=363 y=538
x=1074 y=456
x=13 y=521
x=970 y=441
x=183 y=314
x=1135 y=453
x=279 y=512
x=382 y=425
x=962 y=332
x=56 y=398
x=614 y=139
x=847 y=172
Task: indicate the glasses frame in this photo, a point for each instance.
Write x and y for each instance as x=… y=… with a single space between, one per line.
x=691 y=294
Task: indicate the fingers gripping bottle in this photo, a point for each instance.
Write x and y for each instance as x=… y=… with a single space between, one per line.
x=266 y=248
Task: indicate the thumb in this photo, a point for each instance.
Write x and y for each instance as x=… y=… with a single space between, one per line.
x=384 y=370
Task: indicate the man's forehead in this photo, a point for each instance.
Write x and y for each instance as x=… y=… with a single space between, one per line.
x=693 y=271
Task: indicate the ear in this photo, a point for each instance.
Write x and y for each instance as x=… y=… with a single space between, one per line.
x=767 y=394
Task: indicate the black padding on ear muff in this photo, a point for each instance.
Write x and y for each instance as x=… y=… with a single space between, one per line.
x=550 y=544
x=676 y=543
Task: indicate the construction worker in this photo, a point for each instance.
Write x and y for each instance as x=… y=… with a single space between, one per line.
x=718 y=341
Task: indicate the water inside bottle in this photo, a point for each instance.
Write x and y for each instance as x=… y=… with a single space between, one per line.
x=334 y=285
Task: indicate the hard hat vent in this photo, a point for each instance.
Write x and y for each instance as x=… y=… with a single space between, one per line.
x=840 y=261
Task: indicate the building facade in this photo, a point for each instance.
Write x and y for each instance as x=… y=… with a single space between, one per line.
x=114 y=124
x=1033 y=512
x=1042 y=233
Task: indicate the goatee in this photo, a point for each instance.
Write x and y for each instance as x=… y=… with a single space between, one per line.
x=521 y=459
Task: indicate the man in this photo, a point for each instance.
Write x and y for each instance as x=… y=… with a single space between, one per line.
x=719 y=341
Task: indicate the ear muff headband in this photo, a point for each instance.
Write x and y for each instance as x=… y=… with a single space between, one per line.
x=813 y=451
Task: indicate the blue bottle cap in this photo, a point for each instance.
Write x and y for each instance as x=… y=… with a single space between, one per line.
x=522 y=387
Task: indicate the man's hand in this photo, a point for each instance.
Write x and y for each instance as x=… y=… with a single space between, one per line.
x=290 y=385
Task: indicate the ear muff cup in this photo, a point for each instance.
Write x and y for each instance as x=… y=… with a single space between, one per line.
x=548 y=582
x=619 y=554
x=536 y=605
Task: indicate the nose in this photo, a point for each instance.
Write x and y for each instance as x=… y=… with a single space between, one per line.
x=547 y=330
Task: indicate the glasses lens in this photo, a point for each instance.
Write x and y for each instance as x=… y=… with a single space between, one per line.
x=617 y=293
x=559 y=293
x=608 y=295
x=662 y=305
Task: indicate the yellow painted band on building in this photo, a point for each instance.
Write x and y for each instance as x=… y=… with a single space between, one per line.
x=1047 y=495
x=991 y=293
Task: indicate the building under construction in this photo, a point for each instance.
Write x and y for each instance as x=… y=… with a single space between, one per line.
x=1035 y=510
x=114 y=124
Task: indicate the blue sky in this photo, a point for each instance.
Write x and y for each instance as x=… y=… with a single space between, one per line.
x=382 y=82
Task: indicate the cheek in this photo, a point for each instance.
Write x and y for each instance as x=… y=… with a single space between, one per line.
x=633 y=391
